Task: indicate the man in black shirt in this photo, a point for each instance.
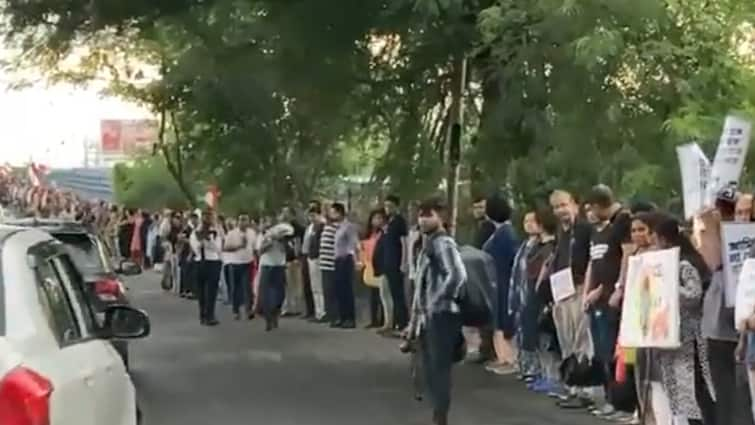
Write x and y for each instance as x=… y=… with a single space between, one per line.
x=485 y=227
x=294 y=303
x=608 y=236
x=572 y=252
x=394 y=255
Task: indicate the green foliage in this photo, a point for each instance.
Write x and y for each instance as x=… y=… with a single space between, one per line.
x=147 y=184
x=277 y=100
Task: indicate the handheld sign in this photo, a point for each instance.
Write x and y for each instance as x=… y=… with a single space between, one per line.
x=695 y=169
x=730 y=155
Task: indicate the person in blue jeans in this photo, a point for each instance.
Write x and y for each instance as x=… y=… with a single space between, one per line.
x=238 y=255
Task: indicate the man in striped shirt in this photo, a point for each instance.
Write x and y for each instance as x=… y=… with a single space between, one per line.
x=327 y=260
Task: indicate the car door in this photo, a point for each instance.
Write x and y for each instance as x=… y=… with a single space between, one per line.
x=67 y=364
x=114 y=389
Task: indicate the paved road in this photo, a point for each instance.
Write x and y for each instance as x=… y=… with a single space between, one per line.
x=303 y=374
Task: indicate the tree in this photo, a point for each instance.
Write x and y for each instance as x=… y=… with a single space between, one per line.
x=147 y=184
x=271 y=99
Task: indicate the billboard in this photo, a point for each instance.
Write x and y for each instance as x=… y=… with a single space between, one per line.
x=127 y=136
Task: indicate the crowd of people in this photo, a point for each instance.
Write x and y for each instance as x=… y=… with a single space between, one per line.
x=564 y=347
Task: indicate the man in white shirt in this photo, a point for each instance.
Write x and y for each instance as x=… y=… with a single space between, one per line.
x=238 y=249
x=207 y=244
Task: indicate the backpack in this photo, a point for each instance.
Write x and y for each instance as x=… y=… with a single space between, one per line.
x=477 y=295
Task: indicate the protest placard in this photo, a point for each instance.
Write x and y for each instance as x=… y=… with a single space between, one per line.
x=562 y=285
x=745 y=303
x=650 y=314
x=737 y=240
x=695 y=169
x=730 y=155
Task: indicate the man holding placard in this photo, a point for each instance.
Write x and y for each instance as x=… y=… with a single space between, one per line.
x=570 y=261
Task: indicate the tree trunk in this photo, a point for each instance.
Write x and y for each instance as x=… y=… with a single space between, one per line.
x=454 y=140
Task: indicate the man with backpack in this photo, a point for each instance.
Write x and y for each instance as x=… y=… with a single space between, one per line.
x=436 y=311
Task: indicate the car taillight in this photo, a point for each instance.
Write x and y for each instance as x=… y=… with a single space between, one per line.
x=25 y=398
x=108 y=289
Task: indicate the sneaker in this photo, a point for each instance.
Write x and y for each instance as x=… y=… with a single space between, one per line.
x=542 y=387
x=551 y=388
x=620 y=417
x=504 y=370
x=538 y=382
x=604 y=411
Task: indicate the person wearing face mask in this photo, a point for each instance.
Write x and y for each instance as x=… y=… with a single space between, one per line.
x=436 y=320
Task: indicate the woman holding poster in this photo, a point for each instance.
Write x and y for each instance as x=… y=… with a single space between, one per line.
x=678 y=369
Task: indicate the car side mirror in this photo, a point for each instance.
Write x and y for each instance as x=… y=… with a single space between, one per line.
x=129 y=268
x=125 y=322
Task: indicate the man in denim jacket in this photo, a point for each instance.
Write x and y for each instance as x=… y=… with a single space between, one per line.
x=436 y=318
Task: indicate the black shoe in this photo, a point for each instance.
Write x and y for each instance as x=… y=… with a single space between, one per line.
x=212 y=322
x=236 y=316
x=574 y=403
x=275 y=322
x=268 y=325
x=250 y=316
x=336 y=324
x=349 y=324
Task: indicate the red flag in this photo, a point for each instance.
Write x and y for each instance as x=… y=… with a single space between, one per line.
x=212 y=196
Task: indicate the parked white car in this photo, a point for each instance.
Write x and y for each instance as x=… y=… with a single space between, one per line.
x=56 y=364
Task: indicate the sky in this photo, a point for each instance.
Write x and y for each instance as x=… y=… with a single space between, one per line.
x=50 y=125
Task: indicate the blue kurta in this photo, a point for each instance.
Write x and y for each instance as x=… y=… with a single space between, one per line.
x=502 y=246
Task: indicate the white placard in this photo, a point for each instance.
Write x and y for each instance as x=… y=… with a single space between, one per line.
x=562 y=285
x=650 y=314
x=737 y=240
x=730 y=155
x=745 y=303
x=695 y=169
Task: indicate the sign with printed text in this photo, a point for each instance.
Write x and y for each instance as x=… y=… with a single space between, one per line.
x=745 y=303
x=650 y=313
x=562 y=285
x=730 y=155
x=695 y=169
x=737 y=240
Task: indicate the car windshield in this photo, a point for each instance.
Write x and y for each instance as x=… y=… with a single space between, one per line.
x=84 y=251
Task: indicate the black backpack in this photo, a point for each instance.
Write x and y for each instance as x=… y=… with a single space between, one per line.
x=477 y=296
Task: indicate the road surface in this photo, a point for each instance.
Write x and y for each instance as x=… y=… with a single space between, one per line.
x=303 y=374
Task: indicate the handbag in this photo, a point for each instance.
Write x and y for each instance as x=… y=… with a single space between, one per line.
x=581 y=371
